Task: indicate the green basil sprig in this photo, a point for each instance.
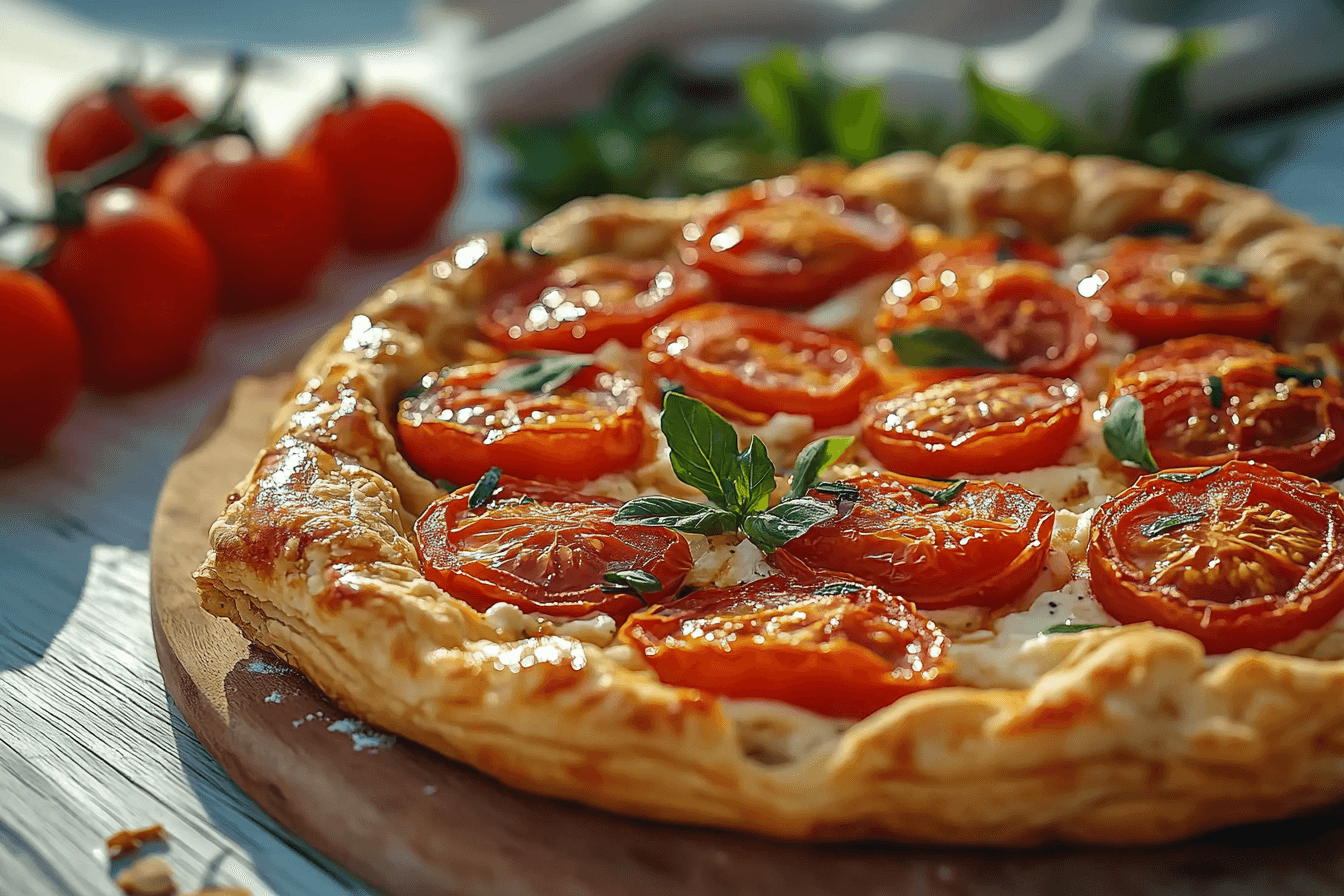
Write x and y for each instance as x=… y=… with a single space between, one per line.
x=737 y=485
x=1070 y=628
x=1314 y=378
x=1214 y=387
x=1220 y=277
x=542 y=375
x=943 y=347
x=632 y=581
x=943 y=496
x=1163 y=525
x=1124 y=435
x=1189 y=477
x=485 y=489
x=838 y=589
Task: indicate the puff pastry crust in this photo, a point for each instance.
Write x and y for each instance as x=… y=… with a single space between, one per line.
x=1133 y=736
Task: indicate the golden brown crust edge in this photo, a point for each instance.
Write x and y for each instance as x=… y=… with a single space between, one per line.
x=1133 y=737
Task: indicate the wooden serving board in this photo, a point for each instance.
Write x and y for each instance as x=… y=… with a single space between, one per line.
x=412 y=822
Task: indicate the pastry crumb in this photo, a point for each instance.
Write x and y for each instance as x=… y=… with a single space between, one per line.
x=125 y=842
x=149 y=876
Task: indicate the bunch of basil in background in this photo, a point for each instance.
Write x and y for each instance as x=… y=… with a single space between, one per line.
x=664 y=133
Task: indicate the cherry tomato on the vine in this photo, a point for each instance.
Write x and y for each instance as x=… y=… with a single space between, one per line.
x=1241 y=555
x=750 y=363
x=270 y=221
x=458 y=428
x=140 y=285
x=40 y=368
x=995 y=423
x=544 y=550
x=92 y=129
x=394 y=165
x=578 y=305
x=832 y=645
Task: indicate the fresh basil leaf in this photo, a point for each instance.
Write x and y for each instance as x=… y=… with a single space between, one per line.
x=942 y=347
x=1315 y=378
x=1003 y=117
x=1124 y=435
x=1220 y=277
x=674 y=513
x=445 y=485
x=756 y=477
x=943 y=496
x=1071 y=628
x=836 y=589
x=856 y=124
x=773 y=528
x=703 y=449
x=841 y=491
x=542 y=375
x=485 y=488
x=1163 y=525
x=636 y=580
x=772 y=87
x=1215 y=389
x=1160 y=97
x=1189 y=477
x=1175 y=229
x=815 y=458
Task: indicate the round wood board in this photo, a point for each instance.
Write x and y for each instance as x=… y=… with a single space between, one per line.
x=412 y=822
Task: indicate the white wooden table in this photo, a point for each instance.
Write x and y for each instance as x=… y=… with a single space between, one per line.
x=89 y=741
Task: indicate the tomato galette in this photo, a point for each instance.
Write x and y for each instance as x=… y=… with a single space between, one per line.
x=988 y=498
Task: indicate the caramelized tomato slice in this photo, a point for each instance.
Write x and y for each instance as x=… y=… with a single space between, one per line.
x=983 y=547
x=459 y=427
x=1158 y=289
x=1195 y=357
x=1241 y=555
x=996 y=423
x=795 y=241
x=579 y=305
x=1014 y=309
x=751 y=363
x=795 y=640
x=988 y=248
x=544 y=549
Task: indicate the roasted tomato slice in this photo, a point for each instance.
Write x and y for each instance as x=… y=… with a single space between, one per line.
x=1241 y=555
x=1015 y=310
x=795 y=241
x=1261 y=417
x=1159 y=289
x=975 y=543
x=987 y=247
x=996 y=423
x=1195 y=357
x=750 y=363
x=544 y=549
x=459 y=427
x=579 y=305
x=834 y=646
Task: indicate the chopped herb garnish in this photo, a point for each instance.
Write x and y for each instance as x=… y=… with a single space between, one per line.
x=1314 y=378
x=1070 y=628
x=1214 y=388
x=1220 y=277
x=841 y=491
x=512 y=241
x=1004 y=251
x=943 y=347
x=1124 y=435
x=445 y=485
x=635 y=581
x=816 y=457
x=1189 y=477
x=1176 y=229
x=485 y=488
x=542 y=375
x=942 y=496
x=703 y=452
x=1163 y=525
x=835 y=589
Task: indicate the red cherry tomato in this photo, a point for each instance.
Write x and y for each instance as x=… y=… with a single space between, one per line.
x=92 y=129
x=458 y=427
x=1015 y=310
x=831 y=645
x=579 y=305
x=982 y=546
x=751 y=363
x=1159 y=289
x=270 y=222
x=395 y=168
x=1195 y=357
x=40 y=369
x=141 y=286
x=1241 y=555
x=997 y=423
x=795 y=241
x=544 y=551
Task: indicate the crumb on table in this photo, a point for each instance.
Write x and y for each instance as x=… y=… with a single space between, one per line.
x=125 y=842
x=148 y=876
